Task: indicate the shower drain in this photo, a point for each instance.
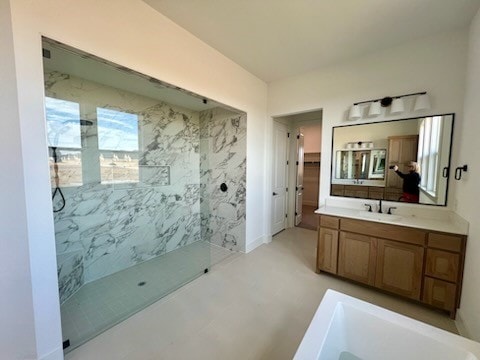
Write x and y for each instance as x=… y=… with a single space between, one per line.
x=141 y=283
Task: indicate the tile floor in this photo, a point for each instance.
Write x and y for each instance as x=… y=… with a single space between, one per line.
x=250 y=306
x=100 y=304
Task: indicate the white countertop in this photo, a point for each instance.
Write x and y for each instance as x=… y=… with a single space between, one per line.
x=445 y=222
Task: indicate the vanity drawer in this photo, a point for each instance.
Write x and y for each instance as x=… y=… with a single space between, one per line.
x=331 y=222
x=440 y=294
x=386 y=231
x=445 y=242
x=442 y=265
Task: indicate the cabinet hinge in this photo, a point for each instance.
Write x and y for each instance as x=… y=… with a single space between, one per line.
x=287 y=162
x=296 y=213
x=286 y=215
x=298 y=136
x=286 y=189
x=297 y=162
x=288 y=134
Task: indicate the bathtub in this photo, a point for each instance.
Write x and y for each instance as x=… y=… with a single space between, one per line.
x=346 y=328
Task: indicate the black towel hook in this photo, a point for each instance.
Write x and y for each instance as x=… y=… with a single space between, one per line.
x=459 y=170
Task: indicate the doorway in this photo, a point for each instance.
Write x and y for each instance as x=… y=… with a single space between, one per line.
x=301 y=164
x=309 y=172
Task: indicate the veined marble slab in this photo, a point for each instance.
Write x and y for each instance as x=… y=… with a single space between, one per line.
x=134 y=205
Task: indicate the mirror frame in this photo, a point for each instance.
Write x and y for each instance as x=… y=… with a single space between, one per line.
x=333 y=154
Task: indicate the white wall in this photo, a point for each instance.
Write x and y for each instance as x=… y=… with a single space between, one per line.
x=17 y=335
x=131 y=34
x=468 y=189
x=434 y=64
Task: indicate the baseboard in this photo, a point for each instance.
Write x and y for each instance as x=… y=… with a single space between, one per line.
x=256 y=243
x=461 y=326
x=56 y=354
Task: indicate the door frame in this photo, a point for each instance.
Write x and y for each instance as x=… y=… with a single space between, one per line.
x=294 y=126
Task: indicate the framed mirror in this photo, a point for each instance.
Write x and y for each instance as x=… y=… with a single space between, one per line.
x=404 y=160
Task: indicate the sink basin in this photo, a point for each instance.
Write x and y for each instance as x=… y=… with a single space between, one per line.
x=378 y=216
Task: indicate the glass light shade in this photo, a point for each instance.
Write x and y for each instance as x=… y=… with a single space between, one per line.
x=397 y=106
x=422 y=102
x=355 y=112
x=374 y=109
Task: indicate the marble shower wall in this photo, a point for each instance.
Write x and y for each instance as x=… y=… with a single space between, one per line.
x=223 y=161
x=107 y=226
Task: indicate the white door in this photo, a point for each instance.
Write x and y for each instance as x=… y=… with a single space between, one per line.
x=299 y=186
x=280 y=152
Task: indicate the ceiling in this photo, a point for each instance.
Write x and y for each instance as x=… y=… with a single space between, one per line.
x=275 y=39
x=68 y=60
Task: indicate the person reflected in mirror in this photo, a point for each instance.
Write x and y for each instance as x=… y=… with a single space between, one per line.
x=411 y=181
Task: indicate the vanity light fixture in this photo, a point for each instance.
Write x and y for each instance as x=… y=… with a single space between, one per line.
x=397 y=106
x=375 y=109
x=355 y=112
x=422 y=102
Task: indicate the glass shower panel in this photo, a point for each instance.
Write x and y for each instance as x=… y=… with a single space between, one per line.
x=129 y=170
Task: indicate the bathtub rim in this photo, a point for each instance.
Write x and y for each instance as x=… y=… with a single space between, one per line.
x=311 y=347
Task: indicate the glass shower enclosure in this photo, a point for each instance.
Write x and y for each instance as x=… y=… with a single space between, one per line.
x=148 y=183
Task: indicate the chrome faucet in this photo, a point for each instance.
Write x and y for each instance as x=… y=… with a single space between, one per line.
x=380 y=207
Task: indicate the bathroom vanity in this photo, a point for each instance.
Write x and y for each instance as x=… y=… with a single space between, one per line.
x=419 y=259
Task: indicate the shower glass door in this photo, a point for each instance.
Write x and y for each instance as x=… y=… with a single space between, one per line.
x=131 y=202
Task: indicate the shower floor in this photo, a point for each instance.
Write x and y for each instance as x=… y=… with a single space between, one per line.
x=101 y=304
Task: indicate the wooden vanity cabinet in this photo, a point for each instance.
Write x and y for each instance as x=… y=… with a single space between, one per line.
x=444 y=271
x=337 y=190
x=442 y=265
x=422 y=265
x=440 y=294
x=359 y=191
x=399 y=268
x=356 y=191
x=376 y=193
x=327 y=247
x=356 y=257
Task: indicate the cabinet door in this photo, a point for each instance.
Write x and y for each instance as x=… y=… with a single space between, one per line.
x=399 y=268
x=356 y=257
x=327 y=250
x=394 y=158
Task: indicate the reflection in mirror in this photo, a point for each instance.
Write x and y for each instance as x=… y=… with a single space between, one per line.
x=401 y=160
x=377 y=165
